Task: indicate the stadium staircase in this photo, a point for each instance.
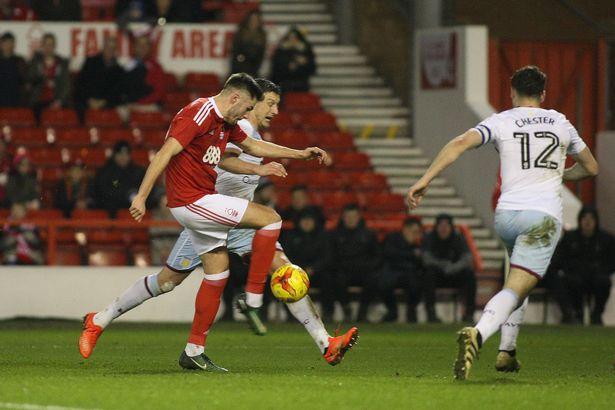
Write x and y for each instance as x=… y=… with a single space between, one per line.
x=364 y=105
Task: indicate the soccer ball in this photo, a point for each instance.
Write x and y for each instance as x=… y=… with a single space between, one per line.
x=289 y=283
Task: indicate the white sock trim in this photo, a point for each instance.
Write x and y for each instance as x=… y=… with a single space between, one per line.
x=217 y=276
x=254 y=300
x=272 y=227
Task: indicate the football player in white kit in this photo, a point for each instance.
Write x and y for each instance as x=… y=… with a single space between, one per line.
x=532 y=143
x=238 y=176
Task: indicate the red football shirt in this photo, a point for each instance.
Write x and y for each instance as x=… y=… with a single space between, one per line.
x=200 y=129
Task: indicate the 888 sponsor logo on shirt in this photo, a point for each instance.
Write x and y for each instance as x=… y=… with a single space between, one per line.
x=212 y=155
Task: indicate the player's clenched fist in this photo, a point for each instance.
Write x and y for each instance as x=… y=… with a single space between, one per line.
x=315 y=152
x=272 y=168
x=137 y=208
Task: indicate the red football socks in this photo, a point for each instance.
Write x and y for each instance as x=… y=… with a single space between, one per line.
x=206 y=306
x=263 y=250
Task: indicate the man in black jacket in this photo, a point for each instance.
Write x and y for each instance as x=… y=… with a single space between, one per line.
x=118 y=180
x=448 y=263
x=355 y=260
x=12 y=73
x=403 y=267
x=583 y=263
x=307 y=245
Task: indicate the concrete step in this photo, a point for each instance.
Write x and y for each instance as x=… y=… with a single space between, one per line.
x=414 y=172
x=409 y=181
x=336 y=49
x=427 y=211
x=319 y=28
x=376 y=112
x=481 y=233
x=363 y=93
x=297 y=18
x=350 y=81
x=305 y=7
x=448 y=202
x=392 y=152
x=332 y=71
x=340 y=60
x=488 y=243
x=358 y=123
x=322 y=39
x=489 y=264
x=385 y=163
x=470 y=222
x=370 y=143
x=360 y=102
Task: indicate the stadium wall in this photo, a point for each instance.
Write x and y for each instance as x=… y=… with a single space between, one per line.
x=605 y=182
x=70 y=292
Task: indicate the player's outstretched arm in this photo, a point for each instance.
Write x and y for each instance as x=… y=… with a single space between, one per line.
x=232 y=164
x=158 y=164
x=270 y=150
x=585 y=166
x=447 y=155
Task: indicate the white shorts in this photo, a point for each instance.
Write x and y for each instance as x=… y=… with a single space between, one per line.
x=209 y=220
x=183 y=258
x=530 y=238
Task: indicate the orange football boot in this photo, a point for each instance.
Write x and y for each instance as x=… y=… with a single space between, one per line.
x=339 y=345
x=89 y=336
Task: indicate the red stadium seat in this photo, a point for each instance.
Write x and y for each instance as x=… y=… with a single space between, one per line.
x=318 y=121
x=170 y=82
x=50 y=176
x=125 y=215
x=59 y=118
x=46 y=214
x=333 y=141
x=92 y=157
x=291 y=138
x=141 y=255
x=369 y=181
x=385 y=202
x=152 y=138
x=290 y=181
x=108 y=256
x=282 y=122
x=351 y=161
x=332 y=203
x=91 y=214
x=173 y=102
x=103 y=118
x=141 y=157
x=108 y=137
x=107 y=236
x=46 y=157
x=22 y=117
x=29 y=137
x=327 y=180
x=73 y=137
x=302 y=102
x=149 y=119
x=69 y=256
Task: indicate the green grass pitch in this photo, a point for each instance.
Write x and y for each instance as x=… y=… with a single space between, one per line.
x=392 y=367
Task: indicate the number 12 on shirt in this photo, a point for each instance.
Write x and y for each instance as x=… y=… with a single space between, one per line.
x=542 y=160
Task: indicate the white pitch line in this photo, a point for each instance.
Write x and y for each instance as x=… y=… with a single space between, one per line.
x=29 y=406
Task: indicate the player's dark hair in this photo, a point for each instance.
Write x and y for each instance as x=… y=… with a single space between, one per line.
x=529 y=81
x=245 y=82
x=267 y=86
x=351 y=207
x=7 y=36
x=49 y=36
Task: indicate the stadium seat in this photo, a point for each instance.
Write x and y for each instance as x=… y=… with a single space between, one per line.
x=91 y=214
x=327 y=180
x=73 y=137
x=153 y=138
x=46 y=157
x=291 y=138
x=139 y=235
x=108 y=137
x=369 y=181
x=66 y=236
x=175 y=101
x=206 y=83
x=290 y=181
x=351 y=161
x=149 y=119
x=92 y=157
x=62 y=118
x=98 y=10
x=318 y=121
x=305 y=166
x=69 y=256
x=125 y=214
x=106 y=236
x=28 y=136
x=385 y=202
x=141 y=255
x=103 y=118
x=141 y=157
x=4 y=213
x=282 y=122
x=332 y=203
x=22 y=117
x=108 y=256
x=333 y=141
x=45 y=214
x=50 y=176
x=302 y=102
x=170 y=82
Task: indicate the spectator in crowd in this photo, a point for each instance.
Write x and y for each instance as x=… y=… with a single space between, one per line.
x=143 y=83
x=448 y=263
x=307 y=245
x=22 y=186
x=5 y=168
x=293 y=62
x=98 y=83
x=158 y=11
x=249 y=45
x=355 y=259
x=583 y=263
x=16 y=10
x=403 y=268
x=162 y=238
x=71 y=192
x=12 y=73
x=20 y=244
x=116 y=183
x=49 y=77
x=57 y=10
x=299 y=202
